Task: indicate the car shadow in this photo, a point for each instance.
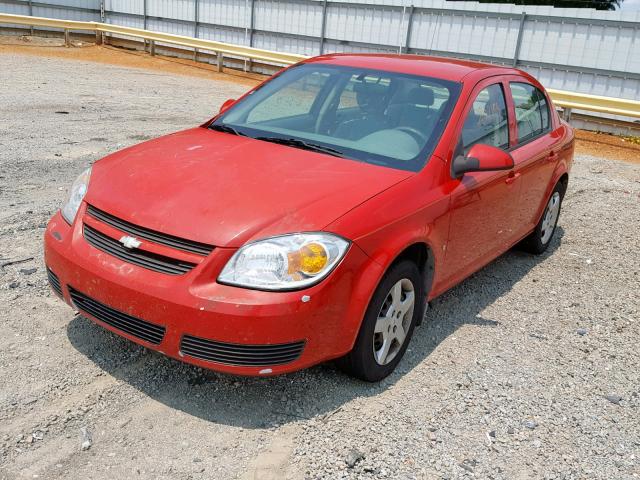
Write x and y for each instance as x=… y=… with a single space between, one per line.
x=319 y=391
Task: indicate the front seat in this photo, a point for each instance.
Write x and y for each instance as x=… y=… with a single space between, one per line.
x=372 y=101
x=416 y=111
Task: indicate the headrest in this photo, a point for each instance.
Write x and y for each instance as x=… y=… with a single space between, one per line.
x=370 y=88
x=370 y=93
x=420 y=96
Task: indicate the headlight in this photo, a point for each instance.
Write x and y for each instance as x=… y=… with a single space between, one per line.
x=76 y=194
x=289 y=262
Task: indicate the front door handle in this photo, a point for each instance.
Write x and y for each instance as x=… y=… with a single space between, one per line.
x=512 y=177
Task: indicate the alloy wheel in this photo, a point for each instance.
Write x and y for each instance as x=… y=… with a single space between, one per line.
x=550 y=217
x=393 y=321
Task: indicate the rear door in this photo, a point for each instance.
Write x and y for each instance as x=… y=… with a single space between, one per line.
x=535 y=147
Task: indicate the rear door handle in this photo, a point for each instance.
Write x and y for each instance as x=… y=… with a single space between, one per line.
x=553 y=156
x=512 y=177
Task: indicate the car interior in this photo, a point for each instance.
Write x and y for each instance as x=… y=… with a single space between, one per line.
x=390 y=115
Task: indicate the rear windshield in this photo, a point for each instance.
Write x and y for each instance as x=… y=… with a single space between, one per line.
x=373 y=116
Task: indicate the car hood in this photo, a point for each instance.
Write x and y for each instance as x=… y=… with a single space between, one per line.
x=225 y=190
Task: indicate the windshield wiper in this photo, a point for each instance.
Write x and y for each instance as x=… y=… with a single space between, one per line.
x=294 y=142
x=227 y=129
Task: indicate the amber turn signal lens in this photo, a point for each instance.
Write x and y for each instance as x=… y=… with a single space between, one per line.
x=309 y=260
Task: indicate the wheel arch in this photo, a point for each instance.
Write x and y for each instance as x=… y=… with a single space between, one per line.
x=564 y=180
x=421 y=254
x=560 y=175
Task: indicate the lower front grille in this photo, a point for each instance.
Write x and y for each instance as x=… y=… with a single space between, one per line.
x=54 y=281
x=142 y=258
x=236 y=354
x=149 y=332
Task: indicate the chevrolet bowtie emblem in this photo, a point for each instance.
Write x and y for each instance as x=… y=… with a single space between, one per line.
x=130 y=242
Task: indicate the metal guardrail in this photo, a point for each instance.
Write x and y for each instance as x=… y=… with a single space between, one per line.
x=566 y=100
x=595 y=103
x=219 y=48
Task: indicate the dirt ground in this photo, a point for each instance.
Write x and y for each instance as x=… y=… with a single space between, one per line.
x=607 y=146
x=527 y=370
x=110 y=55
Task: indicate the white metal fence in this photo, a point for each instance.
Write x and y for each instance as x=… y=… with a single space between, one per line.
x=584 y=51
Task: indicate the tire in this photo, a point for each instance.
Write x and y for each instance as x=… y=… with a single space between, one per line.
x=367 y=361
x=538 y=241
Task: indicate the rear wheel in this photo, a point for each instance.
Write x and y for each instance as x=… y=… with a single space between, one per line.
x=538 y=241
x=388 y=324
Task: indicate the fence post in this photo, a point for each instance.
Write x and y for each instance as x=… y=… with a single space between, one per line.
x=324 y=26
x=101 y=36
x=220 y=61
x=144 y=13
x=67 y=40
x=407 y=39
x=31 y=14
x=252 y=27
x=152 y=47
x=195 y=28
x=252 y=22
x=516 y=54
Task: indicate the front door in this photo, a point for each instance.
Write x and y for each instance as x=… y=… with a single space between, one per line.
x=483 y=204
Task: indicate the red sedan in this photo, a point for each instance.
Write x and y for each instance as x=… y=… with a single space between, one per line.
x=315 y=217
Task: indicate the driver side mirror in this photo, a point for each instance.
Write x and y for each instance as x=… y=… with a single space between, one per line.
x=225 y=106
x=481 y=158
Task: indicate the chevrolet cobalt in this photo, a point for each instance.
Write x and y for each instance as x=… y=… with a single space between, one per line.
x=314 y=217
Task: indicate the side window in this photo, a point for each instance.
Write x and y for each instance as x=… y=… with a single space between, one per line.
x=487 y=120
x=544 y=111
x=279 y=105
x=532 y=110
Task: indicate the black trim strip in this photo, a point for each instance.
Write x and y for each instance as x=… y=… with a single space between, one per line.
x=149 y=332
x=239 y=354
x=142 y=258
x=148 y=234
x=54 y=281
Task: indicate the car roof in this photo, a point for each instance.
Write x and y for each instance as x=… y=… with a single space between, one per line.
x=437 y=67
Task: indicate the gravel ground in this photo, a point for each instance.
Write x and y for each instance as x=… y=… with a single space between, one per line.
x=529 y=369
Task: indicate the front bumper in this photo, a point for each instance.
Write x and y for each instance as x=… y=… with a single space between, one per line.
x=222 y=321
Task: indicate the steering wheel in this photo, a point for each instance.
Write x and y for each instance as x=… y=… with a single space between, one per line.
x=415 y=133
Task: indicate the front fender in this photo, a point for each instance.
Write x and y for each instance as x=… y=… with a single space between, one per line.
x=413 y=211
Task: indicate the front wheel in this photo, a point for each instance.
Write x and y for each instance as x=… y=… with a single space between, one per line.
x=388 y=324
x=538 y=241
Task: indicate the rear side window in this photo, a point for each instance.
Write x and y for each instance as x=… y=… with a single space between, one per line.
x=532 y=111
x=486 y=122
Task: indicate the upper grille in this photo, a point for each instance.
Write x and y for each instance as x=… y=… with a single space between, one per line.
x=236 y=354
x=136 y=327
x=142 y=258
x=54 y=282
x=151 y=235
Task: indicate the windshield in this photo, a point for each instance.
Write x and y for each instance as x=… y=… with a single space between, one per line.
x=373 y=116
